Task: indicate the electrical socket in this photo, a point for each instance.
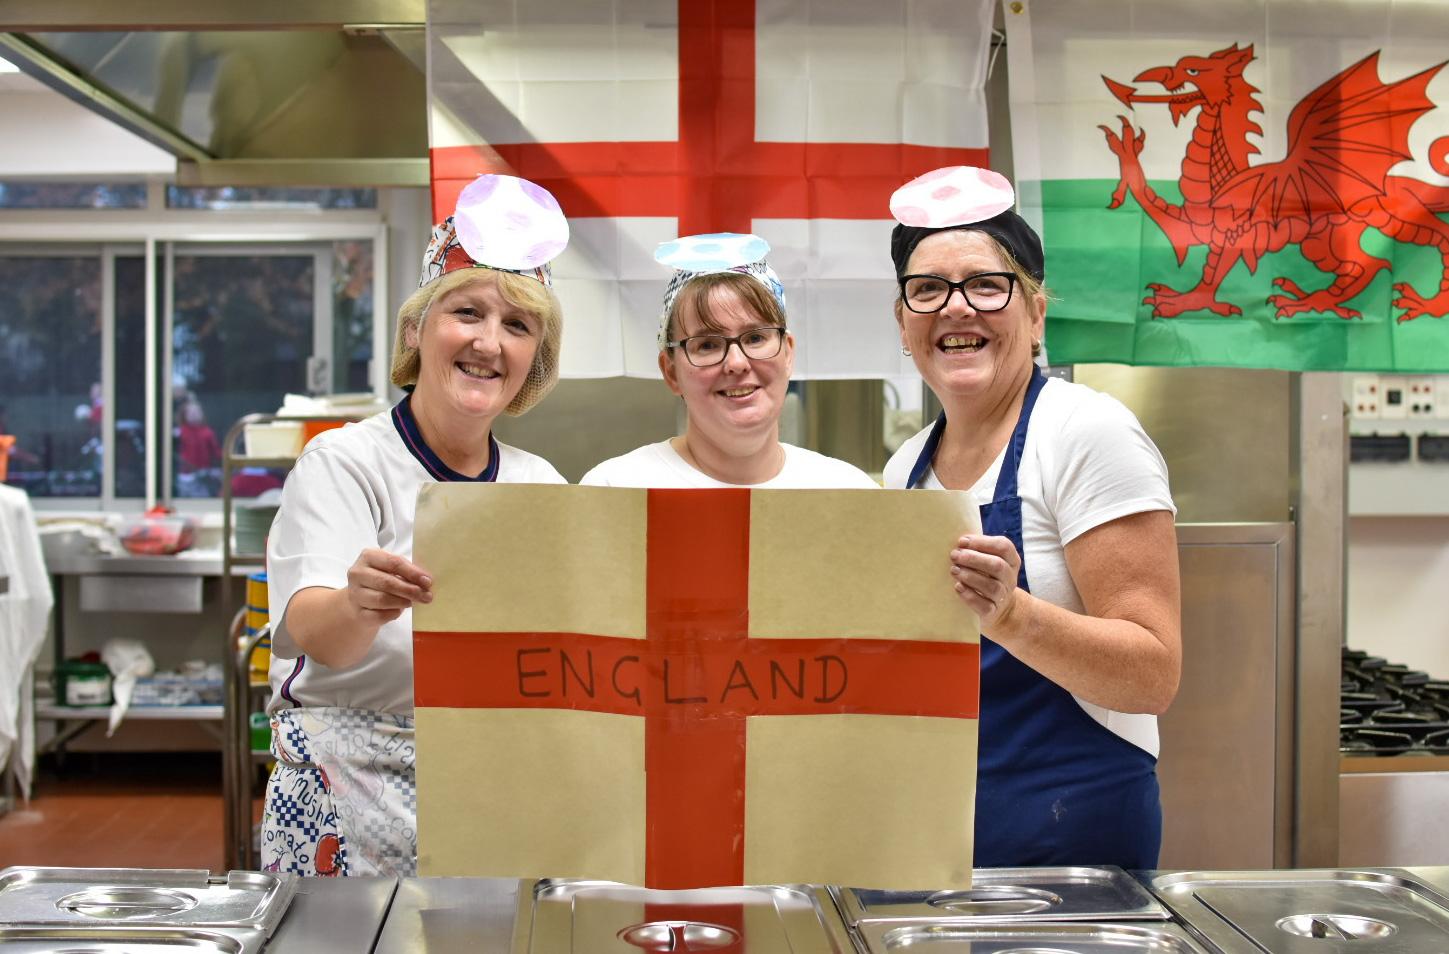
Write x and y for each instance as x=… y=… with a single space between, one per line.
x=1421 y=397
x=1393 y=397
x=1366 y=398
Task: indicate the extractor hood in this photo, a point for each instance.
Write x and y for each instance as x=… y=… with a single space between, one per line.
x=321 y=93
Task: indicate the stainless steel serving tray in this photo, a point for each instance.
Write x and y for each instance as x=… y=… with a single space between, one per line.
x=597 y=917
x=175 y=897
x=888 y=937
x=1013 y=894
x=107 y=939
x=1310 y=911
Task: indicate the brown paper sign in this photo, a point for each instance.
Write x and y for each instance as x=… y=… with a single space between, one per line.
x=684 y=688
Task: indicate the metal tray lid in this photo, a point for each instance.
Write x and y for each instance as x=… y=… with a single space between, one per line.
x=1013 y=894
x=106 y=939
x=176 y=897
x=1311 y=911
x=887 y=937
x=597 y=917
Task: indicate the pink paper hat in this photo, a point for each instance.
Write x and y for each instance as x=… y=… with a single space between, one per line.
x=962 y=197
x=500 y=222
x=955 y=195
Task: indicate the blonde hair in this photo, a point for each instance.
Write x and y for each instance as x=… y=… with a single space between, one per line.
x=520 y=291
x=696 y=295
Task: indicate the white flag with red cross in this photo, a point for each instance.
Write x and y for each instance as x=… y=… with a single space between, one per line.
x=651 y=119
x=687 y=688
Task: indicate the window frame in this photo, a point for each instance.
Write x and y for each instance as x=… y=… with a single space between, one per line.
x=156 y=232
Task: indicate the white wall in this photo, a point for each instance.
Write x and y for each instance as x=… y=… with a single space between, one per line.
x=44 y=134
x=1398 y=590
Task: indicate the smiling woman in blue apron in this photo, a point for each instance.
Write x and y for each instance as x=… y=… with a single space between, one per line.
x=1074 y=575
x=480 y=337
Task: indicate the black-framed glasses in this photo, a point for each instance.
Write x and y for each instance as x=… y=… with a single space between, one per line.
x=986 y=291
x=704 y=351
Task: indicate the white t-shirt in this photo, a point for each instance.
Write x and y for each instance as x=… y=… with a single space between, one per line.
x=1087 y=462
x=355 y=487
x=660 y=466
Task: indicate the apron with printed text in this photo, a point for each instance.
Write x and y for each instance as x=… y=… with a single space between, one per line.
x=342 y=798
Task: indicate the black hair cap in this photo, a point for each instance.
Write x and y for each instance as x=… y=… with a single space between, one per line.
x=1008 y=228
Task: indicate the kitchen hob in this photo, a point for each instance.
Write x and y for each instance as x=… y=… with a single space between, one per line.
x=1387 y=709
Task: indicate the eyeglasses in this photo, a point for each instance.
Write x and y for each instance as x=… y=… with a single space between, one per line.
x=705 y=351
x=987 y=291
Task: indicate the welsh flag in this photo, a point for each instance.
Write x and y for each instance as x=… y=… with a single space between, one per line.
x=1261 y=185
x=651 y=119
x=691 y=688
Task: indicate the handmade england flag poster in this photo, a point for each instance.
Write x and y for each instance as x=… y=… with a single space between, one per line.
x=688 y=688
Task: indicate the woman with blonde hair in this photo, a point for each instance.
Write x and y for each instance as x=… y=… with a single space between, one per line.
x=479 y=338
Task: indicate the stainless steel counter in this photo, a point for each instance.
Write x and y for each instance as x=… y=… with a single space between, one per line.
x=443 y=915
x=187 y=563
x=1215 y=912
x=1387 y=817
x=335 y=914
x=133 y=909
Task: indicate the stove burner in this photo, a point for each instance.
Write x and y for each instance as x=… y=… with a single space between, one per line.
x=1389 y=709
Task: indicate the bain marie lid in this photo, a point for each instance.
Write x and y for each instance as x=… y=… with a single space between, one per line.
x=180 y=897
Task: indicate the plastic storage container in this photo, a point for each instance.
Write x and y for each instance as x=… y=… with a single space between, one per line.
x=256 y=618
x=274 y=439
x=79 y=683
x=158 y=532
x=261 y=732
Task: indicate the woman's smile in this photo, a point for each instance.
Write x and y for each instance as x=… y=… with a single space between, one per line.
x=957 y=342
x=477 y=371
x=959 y=349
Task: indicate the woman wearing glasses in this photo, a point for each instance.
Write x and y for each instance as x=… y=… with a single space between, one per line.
x=724 y=349
x=1074 y=576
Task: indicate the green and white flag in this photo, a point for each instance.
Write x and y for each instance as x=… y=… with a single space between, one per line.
x=1247 y=183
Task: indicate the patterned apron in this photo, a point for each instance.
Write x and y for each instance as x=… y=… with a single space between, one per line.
x=342 y=799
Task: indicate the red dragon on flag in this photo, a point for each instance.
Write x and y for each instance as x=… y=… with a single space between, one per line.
x=1334 y=183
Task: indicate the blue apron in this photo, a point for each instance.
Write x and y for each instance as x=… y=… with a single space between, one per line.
x=1053 y=785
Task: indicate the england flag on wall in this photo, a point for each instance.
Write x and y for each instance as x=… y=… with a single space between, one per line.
x=650 y=119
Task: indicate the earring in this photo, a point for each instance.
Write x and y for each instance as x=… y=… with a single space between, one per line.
x=905 y=351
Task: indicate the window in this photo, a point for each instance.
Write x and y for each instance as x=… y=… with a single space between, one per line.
x=232 y=197
x=72 y=195
x=50 y=391
x=237 y=325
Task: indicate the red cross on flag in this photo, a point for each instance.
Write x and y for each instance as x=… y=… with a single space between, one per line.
x=651 y=119
x=688 y=688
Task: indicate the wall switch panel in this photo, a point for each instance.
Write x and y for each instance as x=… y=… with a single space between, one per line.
x=1420 y=398
x=1366 y=399
x=1394 y=403
x=1398 y=445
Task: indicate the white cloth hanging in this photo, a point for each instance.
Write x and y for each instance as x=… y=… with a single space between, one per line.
x=24 y=612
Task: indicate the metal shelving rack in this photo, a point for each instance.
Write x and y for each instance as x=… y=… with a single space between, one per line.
x=238 y=759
